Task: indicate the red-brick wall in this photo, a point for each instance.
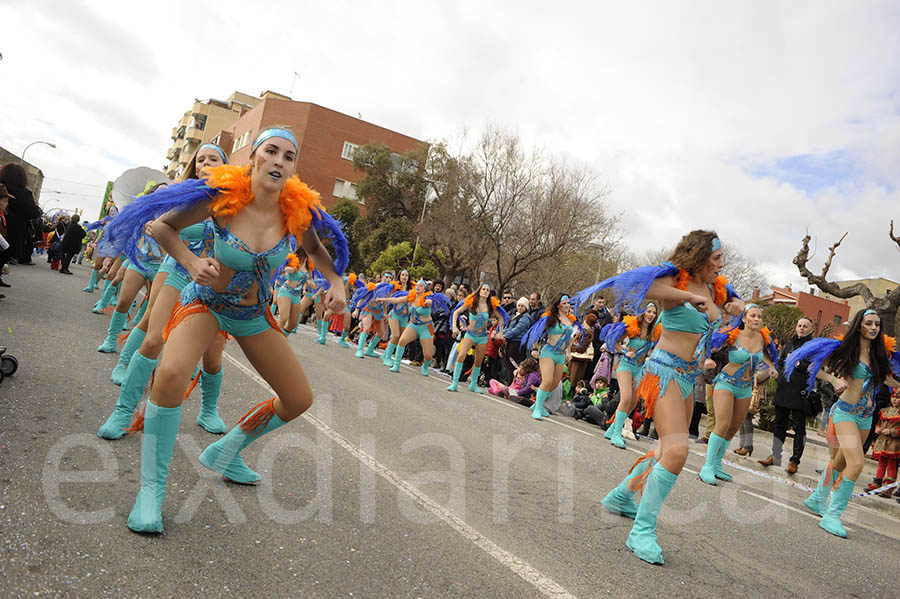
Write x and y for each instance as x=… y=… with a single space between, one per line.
x=321 y=133
x=823 y=311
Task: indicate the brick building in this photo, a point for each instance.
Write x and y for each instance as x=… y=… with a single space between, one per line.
x=826 y=314
x=326 y=138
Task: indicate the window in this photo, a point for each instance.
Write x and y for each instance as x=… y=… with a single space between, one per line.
x=239 y=142
x=347 y=152
x=837 y=320
x=344 y=189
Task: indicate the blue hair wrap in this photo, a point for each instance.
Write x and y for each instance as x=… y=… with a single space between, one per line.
x=218 y=150
x=716 y=244
x=274 y=132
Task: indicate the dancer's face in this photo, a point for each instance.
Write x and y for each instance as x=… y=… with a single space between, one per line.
x=753 y=319
x=870 y=326
x=420 y=287
x=804 y=327
x=404 y=277
x=650 y=314
x=565 y=307
x=207 y=158
x=484 y=292
x=273 y=163
x=710 y=270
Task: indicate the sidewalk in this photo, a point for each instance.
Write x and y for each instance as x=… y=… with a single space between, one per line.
x=815 y=455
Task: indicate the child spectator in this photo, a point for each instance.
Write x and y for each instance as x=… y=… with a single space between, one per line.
x=526 y=379
x=887 y=446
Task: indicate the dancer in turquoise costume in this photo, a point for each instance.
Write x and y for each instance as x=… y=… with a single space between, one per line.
x=693 y=297
x=482 y=305
x=856 y=367
x=398 y=318
x=419 y=302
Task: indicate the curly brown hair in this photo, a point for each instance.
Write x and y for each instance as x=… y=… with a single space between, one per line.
x=693 y=251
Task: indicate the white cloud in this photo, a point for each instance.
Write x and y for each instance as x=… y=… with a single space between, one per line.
x=675 y=103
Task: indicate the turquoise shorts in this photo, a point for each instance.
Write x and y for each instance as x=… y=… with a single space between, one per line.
x=863 y=423
x=476 y=340
x=317 y=299
x=557 y=357
x=626 y=365
x=669 y=367
x=153 y=267
x=725 y=382
x=294 y=297
x=402 y=320
x=236 y=327
x=424 y=331
x=176 y=280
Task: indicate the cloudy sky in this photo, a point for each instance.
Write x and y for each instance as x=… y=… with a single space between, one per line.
x=759 y=119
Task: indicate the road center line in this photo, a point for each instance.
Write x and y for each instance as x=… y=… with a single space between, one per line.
x=543 y=583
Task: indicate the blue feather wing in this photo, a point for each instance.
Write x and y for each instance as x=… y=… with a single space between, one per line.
x=731 y=292
x=816 y=351
x=331 y=228
x=772 y=352
x=535 y=333
x=614 y=332
x=503 y=315
x=124 y=232
x=895 y=364
x=629 y=287
x=439 y=300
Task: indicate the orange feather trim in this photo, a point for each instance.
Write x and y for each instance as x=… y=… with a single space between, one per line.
x=657 y=331
x=632 y=328
x=495 y=303
x=733 y=335
x=890 y=345
x=370 y=286
x=470 y=300
x=649 y=390
x=682 y=279
x=296 y=200
x=351 y=279
x=766 y=335
x=720 y=292
x=293 y=261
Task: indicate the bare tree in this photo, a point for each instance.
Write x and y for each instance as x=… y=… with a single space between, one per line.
x=886 y=307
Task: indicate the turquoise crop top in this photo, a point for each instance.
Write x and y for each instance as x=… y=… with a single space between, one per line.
x=418 y=312
x=234 y=253
x=193 y=233
x=478 y=325
x=861 y=371
x=298 y=277
x=738 y=355
x=636 y=343
x=685 y=318
x=565 y=333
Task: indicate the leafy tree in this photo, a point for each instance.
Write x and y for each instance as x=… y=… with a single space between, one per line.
x=398 y=256
x=781 y=320
x=377 y=236
x=347 y=211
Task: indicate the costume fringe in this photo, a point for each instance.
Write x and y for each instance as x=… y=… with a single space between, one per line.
x=649 y=391
x=137 y=422
x=638 y=482
x=254 y=421
x=193 y=384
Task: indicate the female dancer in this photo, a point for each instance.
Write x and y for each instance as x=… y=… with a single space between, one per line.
x=419 y=302
x=557 y=325
x=856 y=367
x=481 y=305
x=254 y=212
x=138 y=273
x=398 y=319
x=690 y=292
x=371 y=317
x=639 y=332
x=748 y=344
x=140 y=354
x=290 y=294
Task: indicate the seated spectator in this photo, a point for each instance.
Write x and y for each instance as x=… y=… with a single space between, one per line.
x=526 y=380
x=518 y=325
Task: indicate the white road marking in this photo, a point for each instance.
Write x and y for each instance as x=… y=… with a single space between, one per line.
x=543 y=583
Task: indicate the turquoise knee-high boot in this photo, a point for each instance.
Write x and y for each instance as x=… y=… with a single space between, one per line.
x=425 y=366
x=457 y=372
x=321 y=327
x=818 y=501
x=538 y=412
x=616 y=439
x=831 y=519
x=224 y=456
x=160 y=429
x=136 y=377
x=115 y=327
x=92 y=283
x=398 y=356
x=713 y=451
x=388 y=357
x=208 y=418
x=642 y=539
x=621 y=499
x=105 y=297
x=140 y=313
x=473 y=382
x=361 y=345
x=343 y=340
x=132 y=344
x=721 y=474
x=370 y=349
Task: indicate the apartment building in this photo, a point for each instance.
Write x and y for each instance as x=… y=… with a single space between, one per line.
x=326 y=138
x=201 y=123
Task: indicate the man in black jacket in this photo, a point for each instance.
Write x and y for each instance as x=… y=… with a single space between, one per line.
x=789 y=401
x=71 y=243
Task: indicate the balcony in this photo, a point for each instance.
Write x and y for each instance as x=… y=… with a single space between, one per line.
x=192 y=135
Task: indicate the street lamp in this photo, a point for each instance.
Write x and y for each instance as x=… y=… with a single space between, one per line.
x=430 y=195
x=597 y=243
x=52 y=145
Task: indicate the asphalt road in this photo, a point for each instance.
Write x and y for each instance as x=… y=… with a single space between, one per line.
x=389 y=487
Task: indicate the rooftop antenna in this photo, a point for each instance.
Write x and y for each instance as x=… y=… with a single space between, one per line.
x=293 y=80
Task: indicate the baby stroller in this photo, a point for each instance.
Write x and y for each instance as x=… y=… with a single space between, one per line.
x=8 y=364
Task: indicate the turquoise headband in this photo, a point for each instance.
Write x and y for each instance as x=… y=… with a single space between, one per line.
x=867 y=312
x=716 y=244
x=274 y=132
x=564 y=298
x=218 y=150
x=748 y=306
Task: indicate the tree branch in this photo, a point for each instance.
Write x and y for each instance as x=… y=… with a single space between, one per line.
x=895 y=238
x=821 y=282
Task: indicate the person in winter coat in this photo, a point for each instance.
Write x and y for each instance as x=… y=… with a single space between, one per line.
x=71 y=243
x=513 y=332
x=789 y=401
x=20 y=211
